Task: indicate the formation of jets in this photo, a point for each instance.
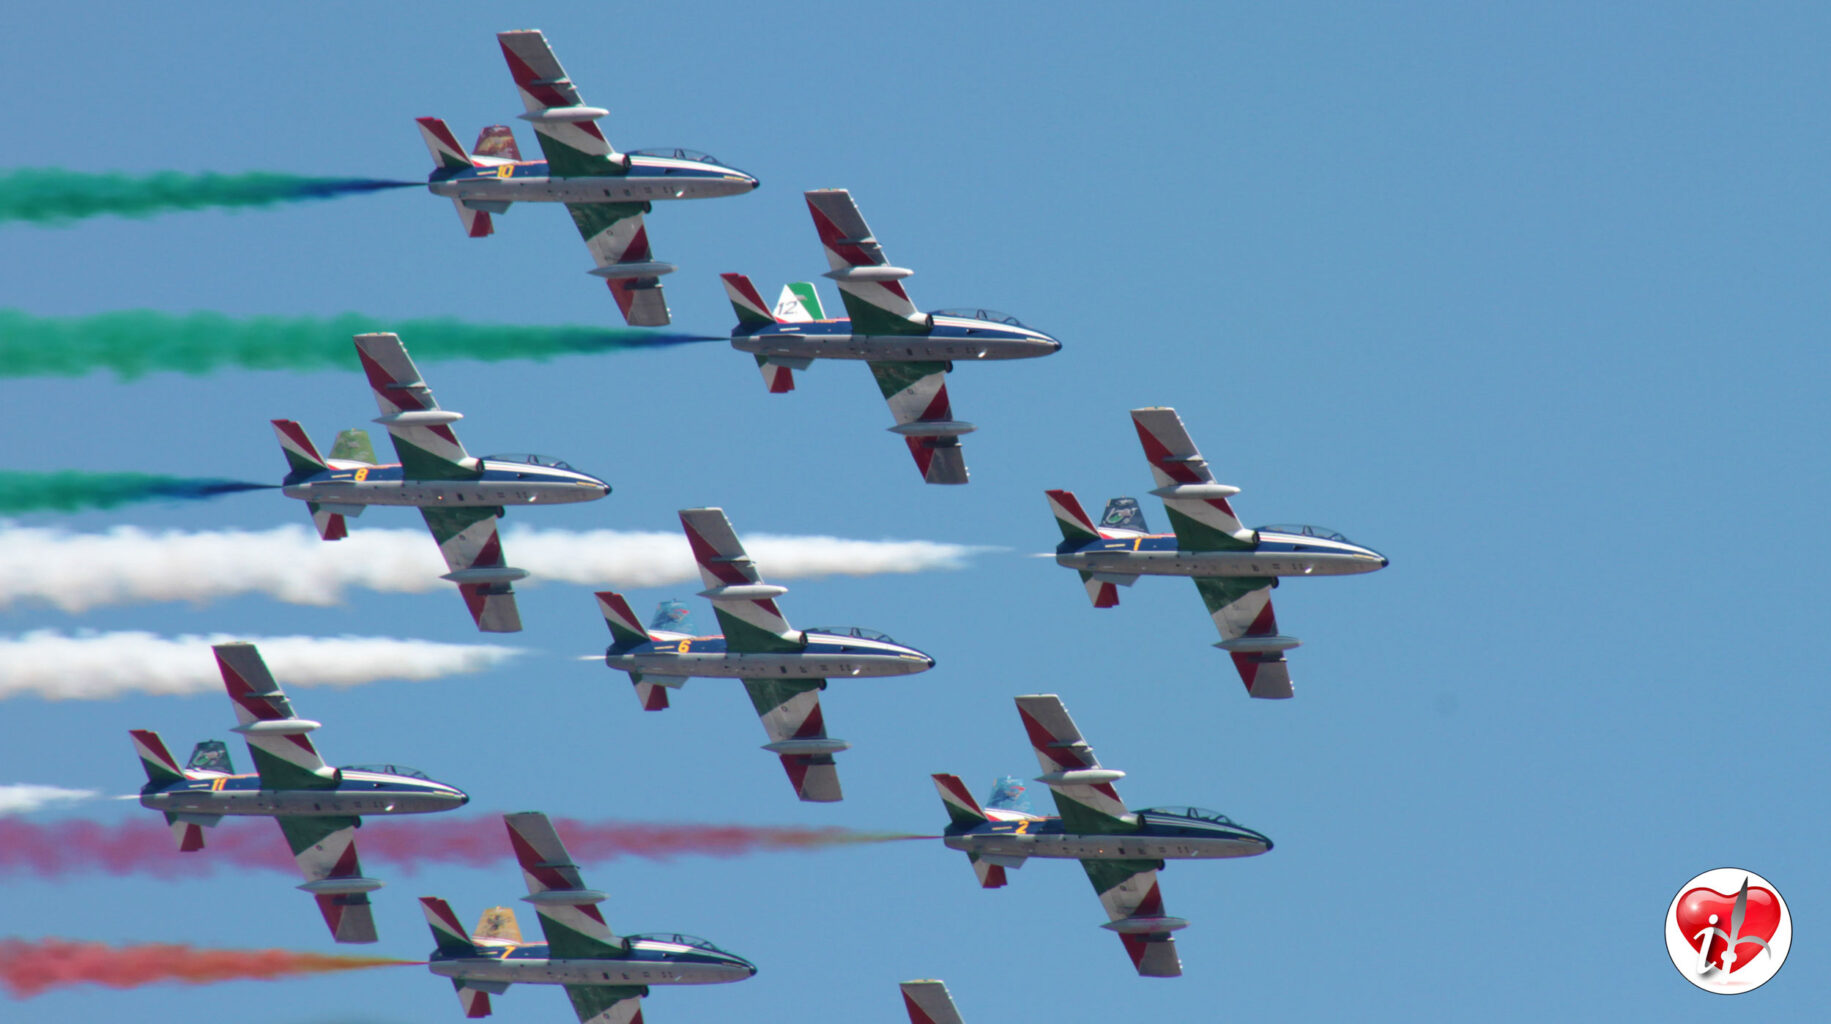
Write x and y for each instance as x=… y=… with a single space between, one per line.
x=318 y=807
x=462 y=499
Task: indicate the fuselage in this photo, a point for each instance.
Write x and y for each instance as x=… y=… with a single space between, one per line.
x=1159 y=834
x=649 y=178
x=1274 y=554
x=497 y=483
x=948 y=337
x=650 y=961
x=826 y=655
x=358 y=791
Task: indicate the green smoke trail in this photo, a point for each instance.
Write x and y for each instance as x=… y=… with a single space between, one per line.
x=74 y=492
x=48 y=195
x=136 y=342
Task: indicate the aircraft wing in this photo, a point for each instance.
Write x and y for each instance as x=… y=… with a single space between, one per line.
x=1083 y=791
x=929 y=1003
x=1242 y=610
x=917 y=395
x=569 y=917
x=870 y=287
x=745 y=605
x=281 y=746
x=790 y=710
x=1197 y=506
x=618 y=241
x=606 y=1004
x=472 y=548
x=1128 y=891
x=325 y=847
x=420 y=430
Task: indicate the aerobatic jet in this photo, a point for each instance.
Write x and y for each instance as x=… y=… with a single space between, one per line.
x=605 y=975
x=606 y=192
x=1234 y=567
x=460 y=497
x=1121 y=850
x=317 y=807
x=910 y=352
x=783 y=669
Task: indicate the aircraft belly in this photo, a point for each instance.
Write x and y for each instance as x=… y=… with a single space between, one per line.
x=1215 y=563
x=582 y=972
x=1083 y=847
x=765 y=666
x=884 y=349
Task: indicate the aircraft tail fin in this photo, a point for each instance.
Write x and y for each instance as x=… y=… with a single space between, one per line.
x=1124 y=514
x=962 y=810
x=746 y=301
x=625 y=629
x=1076 y=527
x=928 y=1003
x=161 y=767
x=302 y=458
x=354 y=446
x=476 y=1003
x=799 y=303
x=497 y=140
x=447 y=932
x=447 y=152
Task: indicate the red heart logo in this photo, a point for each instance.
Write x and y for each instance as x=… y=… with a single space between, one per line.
x=1704 y=915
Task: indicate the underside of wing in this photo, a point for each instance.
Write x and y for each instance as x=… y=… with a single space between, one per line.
x=1197 y=506
x=1083 y=791
x=744 y=604
x=1241 y=607
x=421 y=431
x=606 y=1004
x=1128 y=891
x=917 y=395
x=468 y=538
x=871 y=289
x=618 y=240
x=566 y=129
x=569 y=917
x=790 y=710
x=325 y=848
x=278 y=740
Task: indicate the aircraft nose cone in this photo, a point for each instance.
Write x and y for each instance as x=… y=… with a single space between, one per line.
x=931 y=663
x=463 y=798
x=1057 y=344
x=1384 y=561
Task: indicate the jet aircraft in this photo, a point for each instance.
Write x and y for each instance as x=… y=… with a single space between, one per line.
x=1234 y=568
x=783 y=669
x=910 y=352
x=605 y=975
x=317 y=807
x=1121 y=850
x=460 y=497
x=607 y=192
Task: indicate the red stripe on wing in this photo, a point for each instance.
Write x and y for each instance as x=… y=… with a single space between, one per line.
x=706 y=555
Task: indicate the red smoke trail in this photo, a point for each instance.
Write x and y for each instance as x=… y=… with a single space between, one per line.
x=30 y=966
x=55 y=849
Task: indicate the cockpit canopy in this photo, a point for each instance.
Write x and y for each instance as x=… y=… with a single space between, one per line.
x=676 y=153
x=678 y=939
x=858 y=631
x=530 y=459
x=1198 y=813
x=988 y=315
x=1307 y=530
x=388 y=769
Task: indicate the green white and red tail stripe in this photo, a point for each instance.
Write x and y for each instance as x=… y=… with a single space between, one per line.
x=870 y=287
x=302 y=458
x=448 y=153
x=790 y=712
x=962 y=809
x=1202 y=521
x=569 y=916
x=626 y=631
x=929 y=1003
x=917 y=393
x=1134 y=906
x=747 y=303
x=282 y=750
x=161 y=767
x=1086 y=804
x=1241 y=607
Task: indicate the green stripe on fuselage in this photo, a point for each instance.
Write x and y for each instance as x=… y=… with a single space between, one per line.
x=870 y=319
x=278 y=773
x=419 y=464
x=1078 y=817
x=744 y=638
x=563 y=943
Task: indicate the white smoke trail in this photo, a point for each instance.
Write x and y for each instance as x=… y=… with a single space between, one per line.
x=95 y=666
x=129 y=565
x=24 y=798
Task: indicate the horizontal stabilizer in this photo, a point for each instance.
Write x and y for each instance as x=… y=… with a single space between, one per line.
x=1121 y=578
x=1004 y=860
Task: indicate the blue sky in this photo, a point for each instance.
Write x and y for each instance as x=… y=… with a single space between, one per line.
x=1530 y=301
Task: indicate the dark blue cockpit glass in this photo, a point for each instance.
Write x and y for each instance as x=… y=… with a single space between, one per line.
x=1308 y=530
x=858 y=631
x=389 y=769
x=678 y=939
